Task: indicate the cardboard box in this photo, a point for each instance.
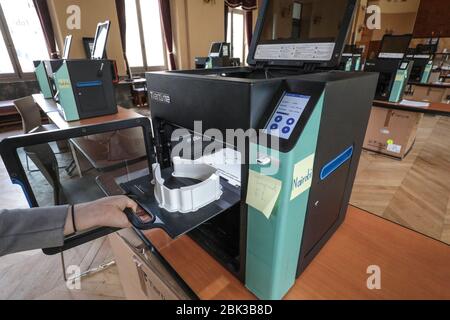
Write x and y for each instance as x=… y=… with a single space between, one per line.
x=392 y=132
x=142 y=275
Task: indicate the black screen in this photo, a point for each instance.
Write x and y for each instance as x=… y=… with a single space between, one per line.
x=303 y=20
x=215 y=48
x=303 y=30
x=101 y=39
x=349 y=49
x=67 y=46
x=394 y=46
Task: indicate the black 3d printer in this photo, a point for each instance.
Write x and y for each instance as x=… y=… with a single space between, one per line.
x=84 y=88
x=351 y=58
x=422 y=58
x=266 y=216
x=392 y=66
x=320 y=117
x=219 y=57
x=44 y=70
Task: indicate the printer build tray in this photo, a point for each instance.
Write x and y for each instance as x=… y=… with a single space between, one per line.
x=177 y=224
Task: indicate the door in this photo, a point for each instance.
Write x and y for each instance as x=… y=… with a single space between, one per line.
x=44 y=166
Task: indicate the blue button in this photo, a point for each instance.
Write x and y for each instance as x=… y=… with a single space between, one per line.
x=274 y=127
x=291 y=121
x=286 y=130
x=278 y=119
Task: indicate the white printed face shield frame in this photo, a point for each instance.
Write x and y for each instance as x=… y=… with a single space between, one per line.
x=192 y=198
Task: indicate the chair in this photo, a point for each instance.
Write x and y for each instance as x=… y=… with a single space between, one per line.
x=139 y=94
x=31 y=116
x=31 y=120
x=73 y=191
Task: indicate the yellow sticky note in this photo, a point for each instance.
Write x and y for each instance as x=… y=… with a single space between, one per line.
x=263 y=192
x=303 y=175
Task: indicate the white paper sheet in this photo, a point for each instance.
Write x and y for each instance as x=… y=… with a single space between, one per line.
x=416 y=104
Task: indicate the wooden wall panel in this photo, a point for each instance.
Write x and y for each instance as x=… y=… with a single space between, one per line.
x=433 y=18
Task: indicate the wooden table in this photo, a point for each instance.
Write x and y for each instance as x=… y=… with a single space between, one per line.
x=435 y=108
x=412 y=266
x=434 y=92
x=95 y=156
x=440 y=85
x=46 y=105
x=8 y=114
x=50 y=107
x=141 y=81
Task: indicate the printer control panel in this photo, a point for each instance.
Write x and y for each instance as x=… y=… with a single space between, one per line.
x=287 y=115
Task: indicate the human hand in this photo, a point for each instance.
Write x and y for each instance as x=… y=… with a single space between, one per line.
x=106 y=212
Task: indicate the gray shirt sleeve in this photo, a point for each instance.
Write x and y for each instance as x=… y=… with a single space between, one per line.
x=29 y=229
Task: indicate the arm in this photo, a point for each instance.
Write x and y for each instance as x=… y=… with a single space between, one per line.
x=28 y=229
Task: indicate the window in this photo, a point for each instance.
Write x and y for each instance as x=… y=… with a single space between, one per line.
x=22 y=40
x=236 y=34
x=5 y=62
x=145 y=44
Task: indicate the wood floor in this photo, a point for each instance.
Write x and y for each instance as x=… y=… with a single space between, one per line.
x=414 y=192
x=33 y=275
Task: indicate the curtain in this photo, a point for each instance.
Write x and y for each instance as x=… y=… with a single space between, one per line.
x=249 y=27
x=121 y=16
x=166 y=18
x=47 y=27
x=246 y=4
x=226 y=22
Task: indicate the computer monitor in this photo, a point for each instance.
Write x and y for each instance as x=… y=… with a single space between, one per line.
x=67 y=45
x=101 y=39
x=394 y=47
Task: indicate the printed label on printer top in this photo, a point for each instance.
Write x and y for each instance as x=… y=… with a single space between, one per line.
x=295 y=51
x=303 y=175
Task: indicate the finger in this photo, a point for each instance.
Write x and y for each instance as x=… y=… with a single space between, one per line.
x=122 y=202
x=132 y=204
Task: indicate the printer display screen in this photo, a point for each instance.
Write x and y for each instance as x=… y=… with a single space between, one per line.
x=287 y=115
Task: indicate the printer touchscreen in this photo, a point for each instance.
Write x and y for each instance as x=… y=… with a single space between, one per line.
x=287 y=115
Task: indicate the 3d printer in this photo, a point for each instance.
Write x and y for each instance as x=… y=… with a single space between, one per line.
x=84 y=88
x=351 y=58
x=44 y=70
x=394 y=70
x=422 y=58
x=321 y=118
x=220 y=56
x=266 y=207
